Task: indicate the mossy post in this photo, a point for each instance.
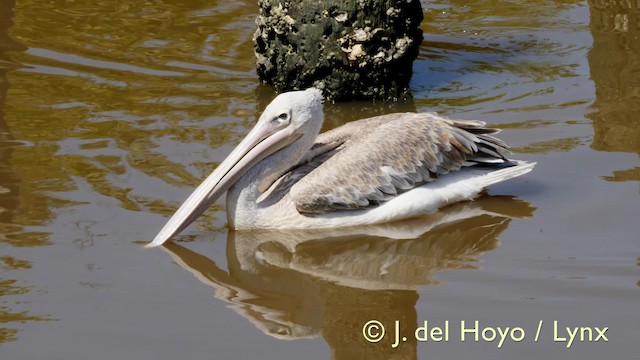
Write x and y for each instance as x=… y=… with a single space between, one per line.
x=351 y=49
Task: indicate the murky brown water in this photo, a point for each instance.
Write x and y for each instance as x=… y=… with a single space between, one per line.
x=111 y=113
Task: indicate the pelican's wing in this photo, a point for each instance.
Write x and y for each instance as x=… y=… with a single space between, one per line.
x=372 y=160
x=329 y=140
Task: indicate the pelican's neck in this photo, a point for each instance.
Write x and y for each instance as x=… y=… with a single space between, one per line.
x=243 y=195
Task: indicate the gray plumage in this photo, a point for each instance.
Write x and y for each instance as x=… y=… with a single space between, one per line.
x=369 y=161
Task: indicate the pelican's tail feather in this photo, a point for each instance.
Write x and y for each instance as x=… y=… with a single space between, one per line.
x=520 y=168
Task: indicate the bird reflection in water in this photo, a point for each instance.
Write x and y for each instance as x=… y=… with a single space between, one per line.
x=302 y=284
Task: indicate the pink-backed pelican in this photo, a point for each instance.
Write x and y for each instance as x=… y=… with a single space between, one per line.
x=284 y=175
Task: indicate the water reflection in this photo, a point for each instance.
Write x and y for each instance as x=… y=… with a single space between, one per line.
x=17 y=201
x=614 y=61
x=497 y=57
x=12 y=193
x=301 y=284
x=9 y=288
x=638 y=265
x=6 y=176
x=113 y=94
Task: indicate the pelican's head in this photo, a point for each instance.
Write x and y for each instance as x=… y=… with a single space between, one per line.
x=297 y=111
x=288 y=117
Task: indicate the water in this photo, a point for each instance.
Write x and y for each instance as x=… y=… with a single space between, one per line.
x=111 y=113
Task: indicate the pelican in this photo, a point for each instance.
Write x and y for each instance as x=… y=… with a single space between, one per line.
x=284 y=175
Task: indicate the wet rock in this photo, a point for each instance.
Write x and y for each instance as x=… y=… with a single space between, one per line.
x=352 y=49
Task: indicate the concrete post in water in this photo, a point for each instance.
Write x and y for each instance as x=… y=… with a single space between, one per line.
x=352 y=49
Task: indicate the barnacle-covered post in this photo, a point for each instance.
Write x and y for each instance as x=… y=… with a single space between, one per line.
x=351 y=49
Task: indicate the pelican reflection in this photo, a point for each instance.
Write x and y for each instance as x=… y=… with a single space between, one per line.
x=302 y=284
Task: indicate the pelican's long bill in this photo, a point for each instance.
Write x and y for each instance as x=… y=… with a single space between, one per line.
x=264 y=139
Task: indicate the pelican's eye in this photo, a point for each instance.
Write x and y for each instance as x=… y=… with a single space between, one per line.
x=283 y=117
